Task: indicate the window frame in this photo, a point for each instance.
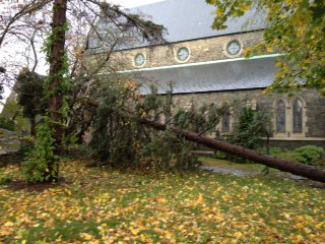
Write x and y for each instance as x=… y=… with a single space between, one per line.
x=227 y=44
x=295 y=101
x=226 y=129
x=277 y=130
x=135 y=60
x=177 y=52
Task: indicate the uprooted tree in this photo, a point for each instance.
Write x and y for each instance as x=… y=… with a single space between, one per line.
x=121 y=118
x=188 y=128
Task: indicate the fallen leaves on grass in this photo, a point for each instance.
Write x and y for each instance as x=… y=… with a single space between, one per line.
x=105 y=206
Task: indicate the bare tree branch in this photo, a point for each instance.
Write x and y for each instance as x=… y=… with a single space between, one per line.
x=29 y=8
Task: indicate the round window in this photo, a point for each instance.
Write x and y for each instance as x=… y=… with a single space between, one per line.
x=183 y=54
x=233 y=47
x=139 y=59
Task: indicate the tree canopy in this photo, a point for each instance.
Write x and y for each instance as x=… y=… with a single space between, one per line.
x=29 y=88
x=295 y=28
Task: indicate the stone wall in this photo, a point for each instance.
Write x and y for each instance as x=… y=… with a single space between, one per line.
x=9 y=142
x=202 y=50
x=313 y=112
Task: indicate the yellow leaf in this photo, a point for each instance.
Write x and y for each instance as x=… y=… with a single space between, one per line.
x=134 y=231
x=9 y=224
x=287 y=216
x=238 y=235
x=161 y=200
x=220 y=13
x=200 y=199
x=86 y=236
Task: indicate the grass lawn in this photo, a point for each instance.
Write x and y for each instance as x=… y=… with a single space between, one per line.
x=97 y=205
x=214 y=162
x=245 y=167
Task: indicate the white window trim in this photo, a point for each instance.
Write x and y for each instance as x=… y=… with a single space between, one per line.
x=275 y=109
x=177 y=49
x=225 y=48
x=304 y=118
x=289 y=119
x=134 y=60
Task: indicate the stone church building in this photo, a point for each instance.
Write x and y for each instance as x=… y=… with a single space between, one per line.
x=207 y=66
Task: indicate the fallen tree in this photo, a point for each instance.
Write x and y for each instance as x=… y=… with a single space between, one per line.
x=280 y=164
x=283 y=165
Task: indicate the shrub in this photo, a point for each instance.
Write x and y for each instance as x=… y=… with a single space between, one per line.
x=27 y=145
x=310 y=155
x=120 y=139
x=4 y=179
x=7 y=124
x=169 y=152
x=250 y=131
x=251 y=127
x=41 y=164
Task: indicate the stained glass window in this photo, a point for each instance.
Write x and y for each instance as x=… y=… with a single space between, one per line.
x=297 y=116
x=281 y=117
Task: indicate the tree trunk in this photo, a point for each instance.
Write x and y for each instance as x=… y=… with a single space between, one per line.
x=57 y=63
x=287 y=166
x=56 y=56
x=32 y=126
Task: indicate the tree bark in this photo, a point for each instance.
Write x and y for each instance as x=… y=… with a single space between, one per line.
x=33 y=126
x=283 y=165
x=56 y=56
x=56 y=60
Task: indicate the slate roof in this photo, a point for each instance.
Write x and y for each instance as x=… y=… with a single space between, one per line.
x=235 y=75
x=188 y=20
x=192 y=19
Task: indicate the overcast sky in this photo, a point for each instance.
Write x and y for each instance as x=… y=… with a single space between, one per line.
x=133 y=3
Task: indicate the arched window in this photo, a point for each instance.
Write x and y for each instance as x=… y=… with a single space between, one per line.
x=226 y=121
x=280 y=117
x=297 y=115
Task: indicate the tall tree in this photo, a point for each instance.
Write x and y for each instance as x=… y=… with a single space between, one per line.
x=295 y=28
x=64 y=49
x=58 y=68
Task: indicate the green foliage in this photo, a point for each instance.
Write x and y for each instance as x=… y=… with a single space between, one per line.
x=4 y=179
x=31 y=96
x=116 y=133
x=201 y=120
x=310 y=155
x=41 y=164
x=121 y=139
x=27 y=145
x=166 y=151
x=295 y=28
x=7 y=124
x=31 y=93
x=13 y=114
x=251 y=128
